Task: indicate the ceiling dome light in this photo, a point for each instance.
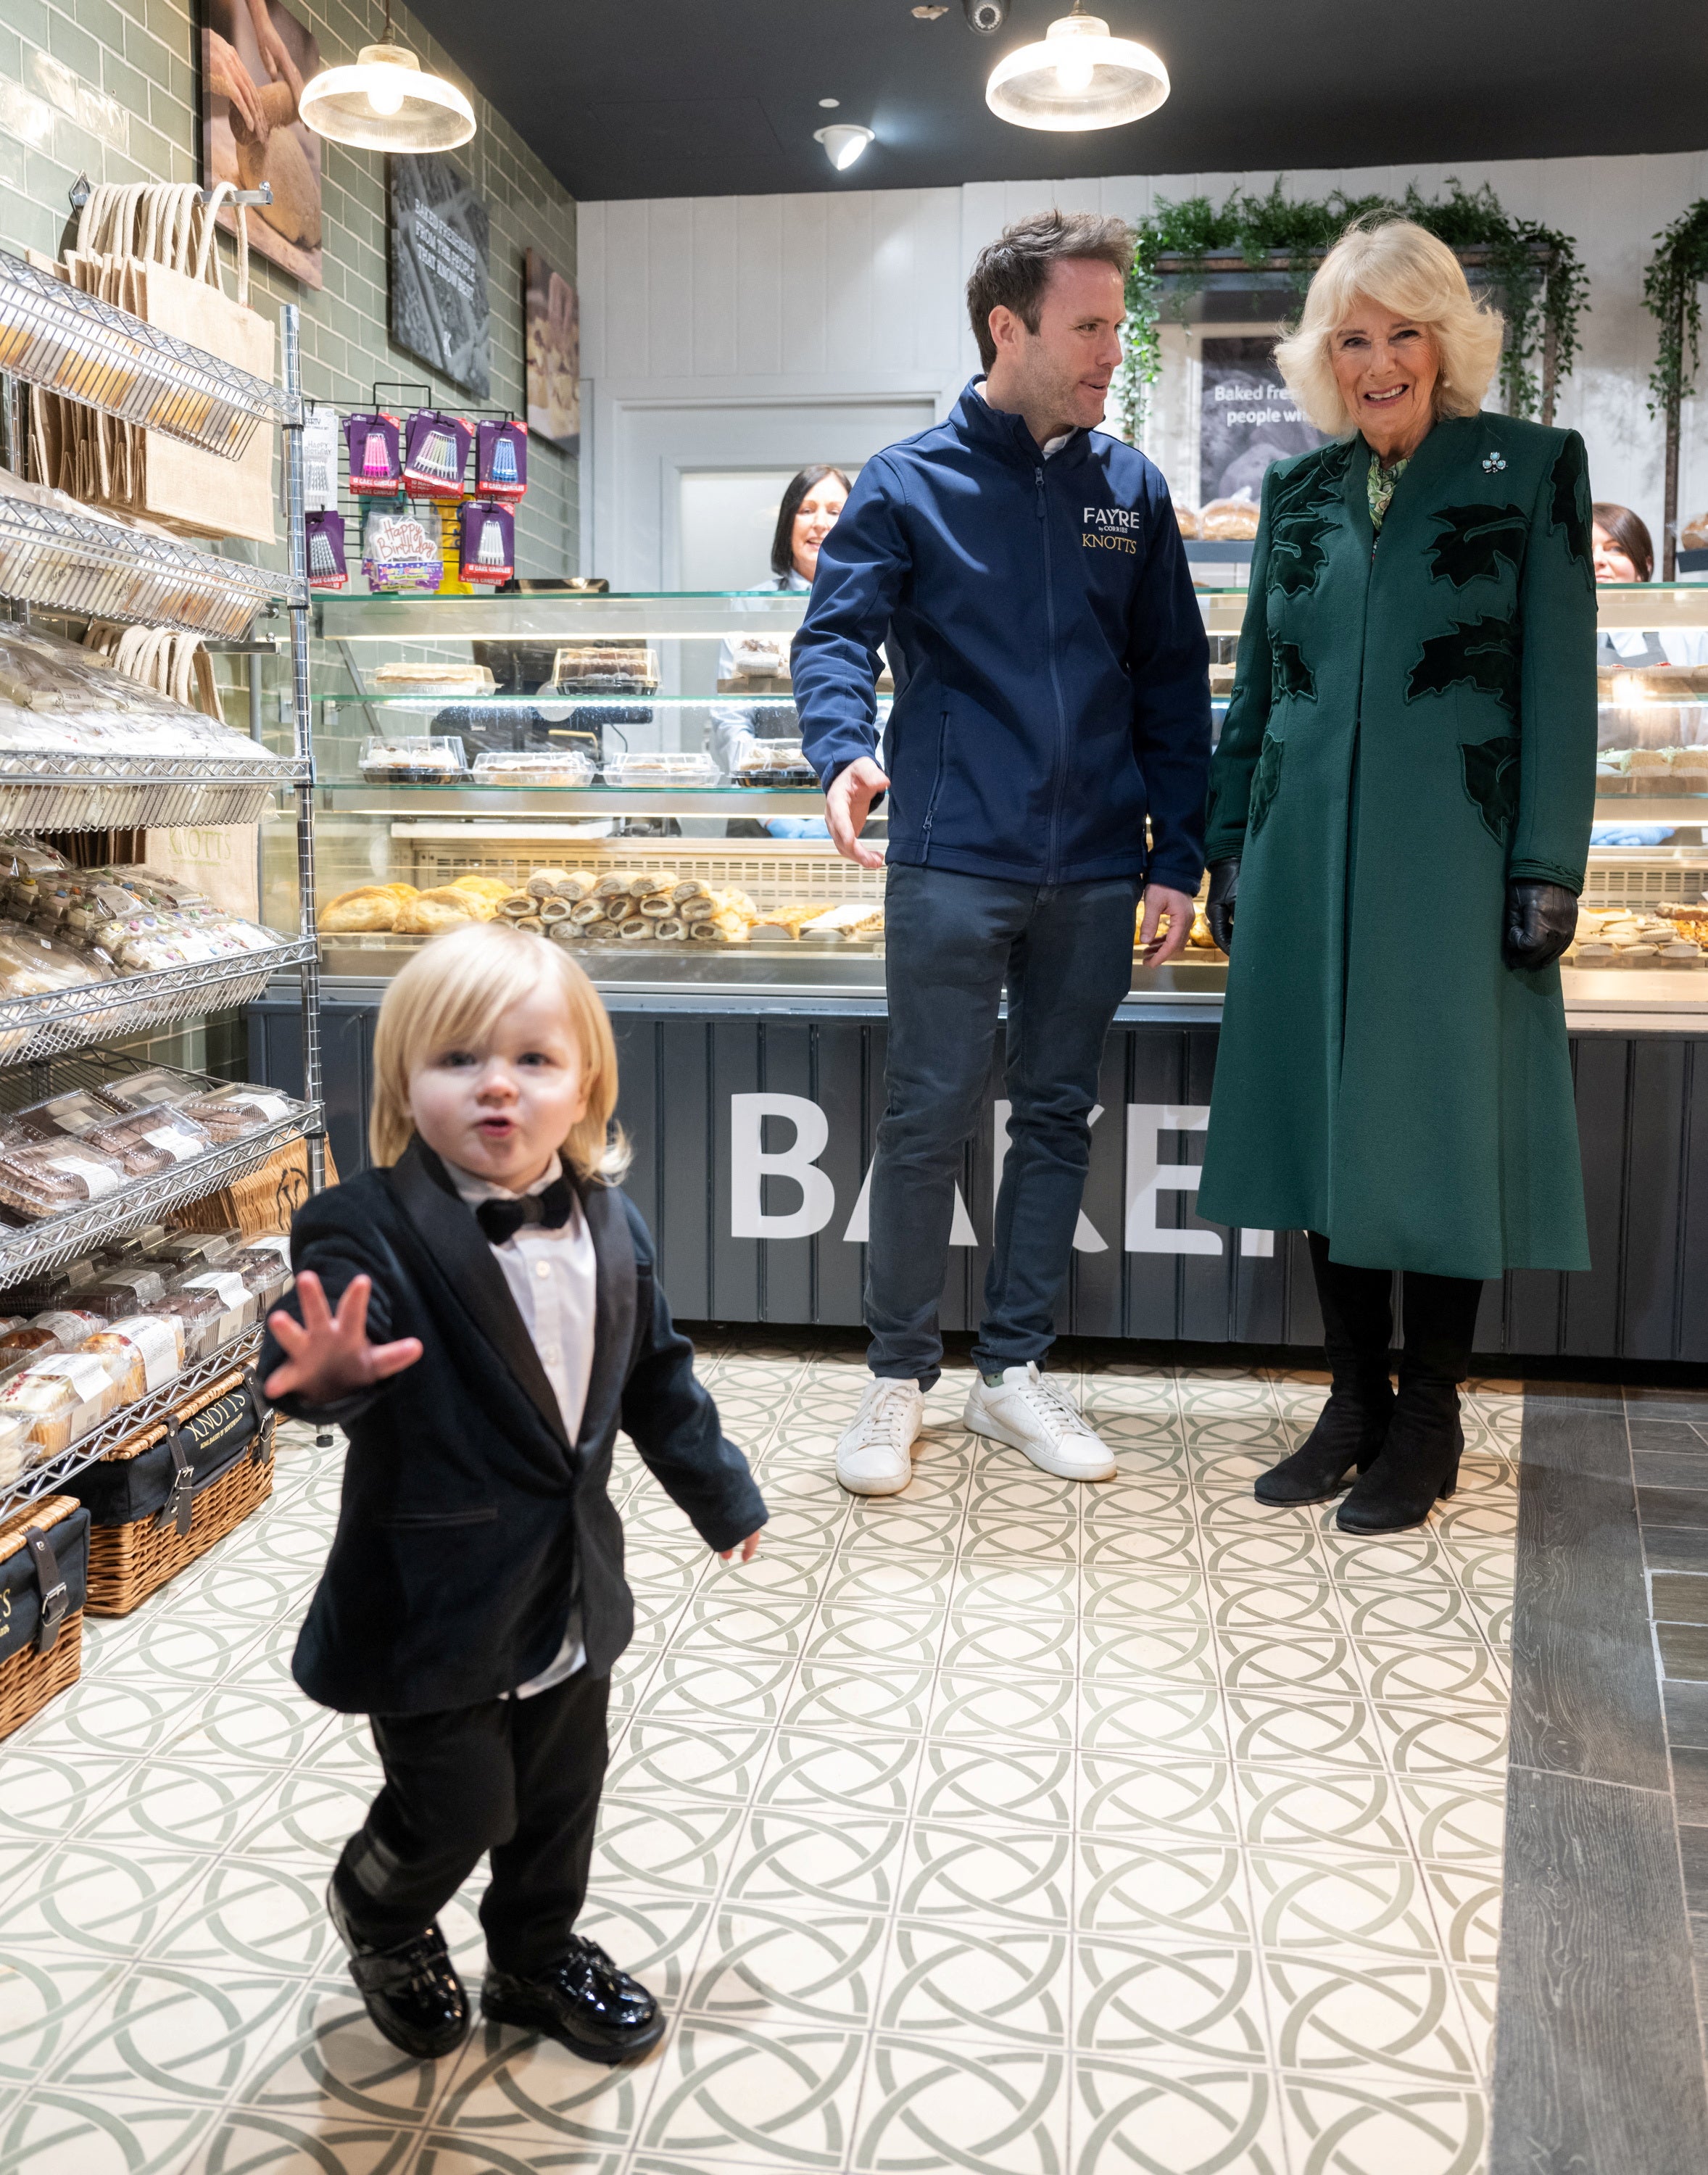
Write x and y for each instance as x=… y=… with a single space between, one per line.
x=387 y=102
x=844 y=143
x=1078 y=77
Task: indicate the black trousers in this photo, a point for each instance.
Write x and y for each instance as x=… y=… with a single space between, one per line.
x=519 y=1778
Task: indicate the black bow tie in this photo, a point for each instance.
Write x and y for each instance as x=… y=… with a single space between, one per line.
x=500 y=1220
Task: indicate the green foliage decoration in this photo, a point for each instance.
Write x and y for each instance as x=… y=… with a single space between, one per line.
x=1672 y=295
x=1539 y=294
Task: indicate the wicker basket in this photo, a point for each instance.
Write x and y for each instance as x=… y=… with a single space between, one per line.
x=264 y=1202
x=29 y=1678
x=128 y=1560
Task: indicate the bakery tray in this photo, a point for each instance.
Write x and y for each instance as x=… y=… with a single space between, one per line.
x=73 y=563
x=34 y=1249
x=90 y=791
x=71 y=343
x=48 y=1478
x=56 y=1021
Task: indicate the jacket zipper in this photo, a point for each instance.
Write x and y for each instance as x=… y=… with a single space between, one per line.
x=936 y=784
x=1052 y=864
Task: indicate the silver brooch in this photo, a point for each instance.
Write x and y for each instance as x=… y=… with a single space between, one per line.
x=1494 y=463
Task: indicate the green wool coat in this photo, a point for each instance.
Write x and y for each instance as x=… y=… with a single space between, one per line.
x=1413 y=721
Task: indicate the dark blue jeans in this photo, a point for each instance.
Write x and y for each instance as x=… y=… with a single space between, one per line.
x=1065 y=952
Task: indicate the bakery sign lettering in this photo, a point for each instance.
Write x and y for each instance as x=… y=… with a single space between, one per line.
x=1149 y=1180
x=1110 y=529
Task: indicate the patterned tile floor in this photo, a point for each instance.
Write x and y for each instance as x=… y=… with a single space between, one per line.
x=1004 y=1826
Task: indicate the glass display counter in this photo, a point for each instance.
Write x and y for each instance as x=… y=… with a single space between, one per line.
x=580 y=739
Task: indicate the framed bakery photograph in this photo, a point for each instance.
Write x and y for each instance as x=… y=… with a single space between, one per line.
x=552 y=320
x=255 y=56
x=441 y=246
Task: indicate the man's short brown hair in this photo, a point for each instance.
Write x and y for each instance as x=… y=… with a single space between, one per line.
x=1014 y=269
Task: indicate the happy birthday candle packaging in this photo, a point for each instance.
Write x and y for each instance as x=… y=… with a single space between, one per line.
x=328 y=566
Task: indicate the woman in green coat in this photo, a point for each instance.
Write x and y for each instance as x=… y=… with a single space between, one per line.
x=1399 y=820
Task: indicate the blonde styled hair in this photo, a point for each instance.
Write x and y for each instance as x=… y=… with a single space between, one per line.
x=456 y=990
x=1404 y=268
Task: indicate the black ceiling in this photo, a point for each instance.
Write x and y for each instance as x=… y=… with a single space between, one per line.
x=662 y=98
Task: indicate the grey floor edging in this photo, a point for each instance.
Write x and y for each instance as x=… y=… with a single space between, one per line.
x=1598 y=2059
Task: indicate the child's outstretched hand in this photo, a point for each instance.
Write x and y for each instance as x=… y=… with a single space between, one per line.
x=327 y=1355
x=749 y=1548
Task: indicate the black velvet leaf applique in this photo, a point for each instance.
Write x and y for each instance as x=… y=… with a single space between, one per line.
x=1265 y=780
x=1568 y=504
x=1305 y=506
x=1491 y=780
x=1482 y=653
x=1289 y=674
x=1473 y=539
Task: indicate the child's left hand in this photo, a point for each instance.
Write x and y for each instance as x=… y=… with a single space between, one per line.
x=749 y=1548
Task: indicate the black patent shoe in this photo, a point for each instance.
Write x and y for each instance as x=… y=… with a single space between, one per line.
x=583 y=2001
x=411 y=1990
x=1350 y=1432
x=1418 y=1468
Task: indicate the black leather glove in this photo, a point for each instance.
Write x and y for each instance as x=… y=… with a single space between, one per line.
x=1540 y=920
x=1218 y=908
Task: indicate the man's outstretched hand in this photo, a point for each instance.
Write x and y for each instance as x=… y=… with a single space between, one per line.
x=327 y=1355
x=848 y=803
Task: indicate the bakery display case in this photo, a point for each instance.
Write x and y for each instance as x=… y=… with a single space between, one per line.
x=629 y=785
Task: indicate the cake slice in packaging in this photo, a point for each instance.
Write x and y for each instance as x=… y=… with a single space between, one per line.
x=265 y=1268
x=145 y=1142
x=120 y=1291
x=145 y=1091
x=16 y=1450
x=63 y=1399
x=149 y=1347
x=230 y=1113
x=52 y=1177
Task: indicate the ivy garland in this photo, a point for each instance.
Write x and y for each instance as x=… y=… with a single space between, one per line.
x=1672 y=294
x=1540 y=297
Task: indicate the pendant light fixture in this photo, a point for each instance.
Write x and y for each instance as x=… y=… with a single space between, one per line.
x=1078 y=77
x=386 y=101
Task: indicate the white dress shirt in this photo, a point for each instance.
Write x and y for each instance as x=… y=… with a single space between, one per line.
x=553 y=1276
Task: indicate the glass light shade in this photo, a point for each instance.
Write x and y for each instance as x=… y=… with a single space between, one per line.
x=844 y=143
x=1079 y=77
x=387 y=102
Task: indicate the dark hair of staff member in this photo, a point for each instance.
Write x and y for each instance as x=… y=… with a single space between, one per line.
x=1413 y=721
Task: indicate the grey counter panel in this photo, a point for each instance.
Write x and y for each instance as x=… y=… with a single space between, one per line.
x=1643 y=1117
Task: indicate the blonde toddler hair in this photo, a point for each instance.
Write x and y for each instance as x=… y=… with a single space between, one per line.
x=1404 y=268
x=455 y=990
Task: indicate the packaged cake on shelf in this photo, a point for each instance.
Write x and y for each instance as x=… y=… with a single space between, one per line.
x=570 y=768
x=118 y=1291
x=62 y=1399
x=241 y=1307
x=51 y=1177
x=427 y=760
x=78 y=1111
x=265 y=1267
x=230 y=1113
x=147 y=1349
x=613 y=668
x=146 y=1142
x=158 y=1084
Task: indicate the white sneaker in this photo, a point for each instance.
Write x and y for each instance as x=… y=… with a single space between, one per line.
x=1026 y=1410
x=876 y=1455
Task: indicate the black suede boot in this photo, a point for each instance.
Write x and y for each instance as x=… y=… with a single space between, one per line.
x=1419 y=1462
x=1357 y=1324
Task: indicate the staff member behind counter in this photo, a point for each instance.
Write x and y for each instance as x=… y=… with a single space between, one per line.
x=805 y=516
x=1624 y=552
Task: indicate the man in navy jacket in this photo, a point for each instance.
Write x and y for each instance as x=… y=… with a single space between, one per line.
x=1027 y=580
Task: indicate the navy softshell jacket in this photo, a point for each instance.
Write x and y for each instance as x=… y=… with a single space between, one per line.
x=1052 y=667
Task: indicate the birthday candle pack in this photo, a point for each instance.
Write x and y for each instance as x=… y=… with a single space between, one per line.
x=328 y=568
x=501 y=460
x=435 y=454
x=376 y=468
x=489 y=542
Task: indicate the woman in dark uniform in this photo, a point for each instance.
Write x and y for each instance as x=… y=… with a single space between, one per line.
x=1399 y=824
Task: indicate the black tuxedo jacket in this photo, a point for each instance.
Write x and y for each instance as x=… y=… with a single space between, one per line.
x=469 y=1522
